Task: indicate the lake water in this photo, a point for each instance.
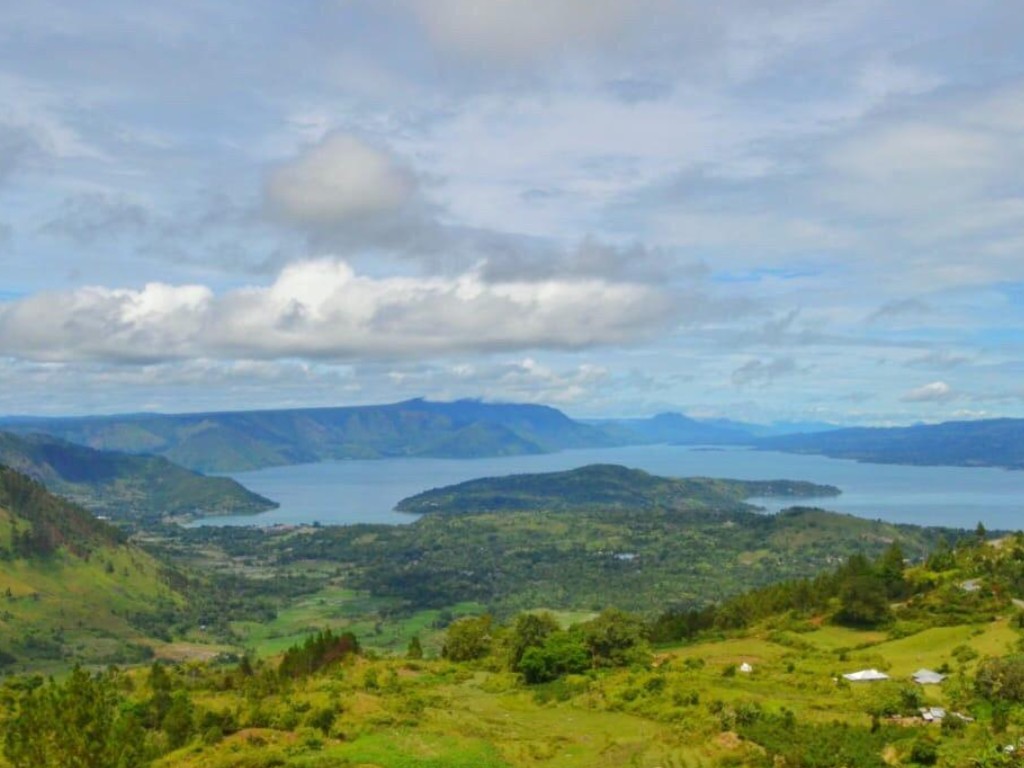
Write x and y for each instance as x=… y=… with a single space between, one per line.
x=342 y=492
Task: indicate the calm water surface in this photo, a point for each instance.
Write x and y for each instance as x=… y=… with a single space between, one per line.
x=341 y=492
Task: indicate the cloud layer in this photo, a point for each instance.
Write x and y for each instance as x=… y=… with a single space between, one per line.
x=322 y=309
x=778 y=209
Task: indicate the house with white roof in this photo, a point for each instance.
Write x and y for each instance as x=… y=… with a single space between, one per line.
x=866 y=676
x=927 y=677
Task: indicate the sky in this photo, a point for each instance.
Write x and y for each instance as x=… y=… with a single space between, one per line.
x=756 y=209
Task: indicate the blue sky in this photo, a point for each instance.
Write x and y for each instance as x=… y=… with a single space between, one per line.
x=765 y=210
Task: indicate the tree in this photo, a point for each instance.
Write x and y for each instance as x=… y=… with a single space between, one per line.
x=1001 y=679
x=863 y=602
x=316 y=652
x=891 y=571
x=468 y=639
x=529 y=631
x=178 y=723
x=563 y=653
x=615 y=639
x=82 y=722
x=415 y=650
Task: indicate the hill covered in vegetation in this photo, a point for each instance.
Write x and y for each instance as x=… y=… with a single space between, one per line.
x=604 y=485
x=125 y=486
x=71 y=586
x=590 y=538
x=982 y=443
x=763 y=687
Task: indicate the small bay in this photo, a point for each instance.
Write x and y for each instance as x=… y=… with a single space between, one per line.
x=346 y=492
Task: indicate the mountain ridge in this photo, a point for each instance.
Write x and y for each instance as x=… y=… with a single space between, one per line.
x=980 y=443
x=124 y=486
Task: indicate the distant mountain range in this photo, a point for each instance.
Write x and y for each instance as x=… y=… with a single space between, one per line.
x=124 y=486
x=984 y=443
x=239 y=441
x=232 y=442
x=674 y=428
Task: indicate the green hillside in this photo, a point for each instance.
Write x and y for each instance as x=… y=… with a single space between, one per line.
x=124 y=486
x=604 y=485
x=765 y=690
x=71 y=587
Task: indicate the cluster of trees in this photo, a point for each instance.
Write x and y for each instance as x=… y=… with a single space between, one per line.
x=42 y=523
x=317 y=652
x=857 y=594
x=87 y=720
x=572 y=555
x=112 y=719
x=536 y=646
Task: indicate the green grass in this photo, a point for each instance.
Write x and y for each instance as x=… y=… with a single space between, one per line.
x=341 y=608
x=77 y=608
x=932 y=647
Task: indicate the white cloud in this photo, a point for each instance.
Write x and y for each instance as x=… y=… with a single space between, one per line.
x=323 y=309
x=340 y=179
x=934 y=392
x=154 y=323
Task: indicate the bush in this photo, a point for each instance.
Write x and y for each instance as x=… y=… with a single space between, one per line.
x=924 y=752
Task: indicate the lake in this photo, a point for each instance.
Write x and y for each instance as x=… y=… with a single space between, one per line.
x=344 y=492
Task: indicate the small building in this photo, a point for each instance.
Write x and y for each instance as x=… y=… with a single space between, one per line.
x=927 y=677
x=744 y=667
x=932 y=714
x=865 y=676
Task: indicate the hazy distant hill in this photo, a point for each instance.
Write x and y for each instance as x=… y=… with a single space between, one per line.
x=675 y=428
x=225 y=442
x=69 y=582
x=990 y=442
x=123 y=485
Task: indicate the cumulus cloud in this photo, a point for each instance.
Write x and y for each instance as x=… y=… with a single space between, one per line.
x=934 y=392
x=337 y=181
x=324 y=309
x=154 y=323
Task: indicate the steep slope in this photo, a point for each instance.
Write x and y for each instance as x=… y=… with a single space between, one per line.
x=70 y=584
x=226 y=442
x=989 y=442
x=122 y=485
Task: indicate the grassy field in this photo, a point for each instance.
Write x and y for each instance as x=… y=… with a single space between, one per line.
x=675 y=713
x=341 y=608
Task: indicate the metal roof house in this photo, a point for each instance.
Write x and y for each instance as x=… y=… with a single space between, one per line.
x=866 y=675
x=927 y=677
